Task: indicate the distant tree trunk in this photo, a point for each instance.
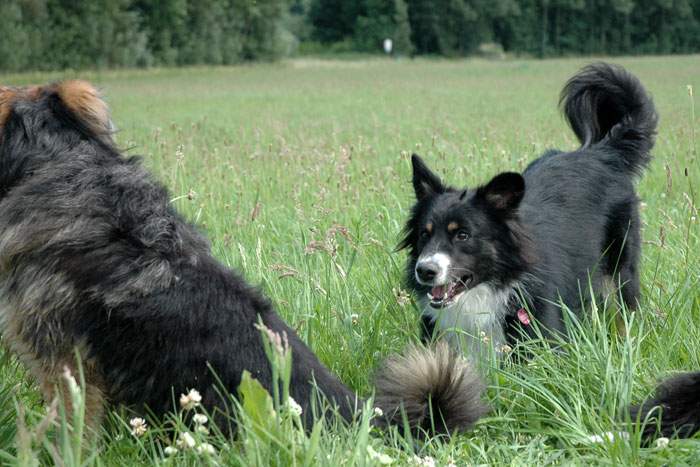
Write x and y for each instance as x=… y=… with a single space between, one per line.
x=402 y=34
x=591 y=27
x=603 y=29
x=543 y=45
x=626 y=36
x=661 y=42
x=556 y=30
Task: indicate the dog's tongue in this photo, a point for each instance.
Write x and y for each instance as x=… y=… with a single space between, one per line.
x=438 y=292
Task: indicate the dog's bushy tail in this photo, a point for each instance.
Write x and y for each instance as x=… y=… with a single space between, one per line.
x=433 y=388
x=675 y=408
x=606 y=104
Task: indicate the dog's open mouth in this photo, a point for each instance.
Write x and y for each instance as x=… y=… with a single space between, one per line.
x=443 y=295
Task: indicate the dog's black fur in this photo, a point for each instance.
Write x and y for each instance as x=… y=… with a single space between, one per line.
x=568 y=217
x=94 y=257
x=674 y=410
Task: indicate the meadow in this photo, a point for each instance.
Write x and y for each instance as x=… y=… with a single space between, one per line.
x=299 y=172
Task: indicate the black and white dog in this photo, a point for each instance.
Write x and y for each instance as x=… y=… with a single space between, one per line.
x=480 y=257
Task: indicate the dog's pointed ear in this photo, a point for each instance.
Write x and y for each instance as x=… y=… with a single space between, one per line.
x=425 y=182
x=85 y=104
x=504 y=192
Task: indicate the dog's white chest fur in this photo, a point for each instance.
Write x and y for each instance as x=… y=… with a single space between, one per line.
x=475 y=320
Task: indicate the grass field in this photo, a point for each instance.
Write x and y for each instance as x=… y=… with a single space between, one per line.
x=300 y=174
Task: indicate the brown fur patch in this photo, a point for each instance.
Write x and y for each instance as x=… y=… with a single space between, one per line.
x=50 y=374
x=611 y=291
x=429 y=227
x=452 y=226
x=32 y=92
x=55 y=383
x=85 y=102
x=33 y=331
x=7 y=96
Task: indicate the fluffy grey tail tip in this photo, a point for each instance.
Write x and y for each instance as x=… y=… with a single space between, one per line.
x=436 y=390
x=606 y=103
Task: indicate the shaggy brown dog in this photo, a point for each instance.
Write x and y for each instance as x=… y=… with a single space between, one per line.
x=94 y=258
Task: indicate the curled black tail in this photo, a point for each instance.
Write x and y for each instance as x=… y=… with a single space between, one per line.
x=606 y=104
x=674 y=410
x=435 y=389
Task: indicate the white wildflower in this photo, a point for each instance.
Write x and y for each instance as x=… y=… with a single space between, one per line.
x=200 y=419
x=138 y=426
x=170 y=450
x=506 y=349
x=206 y=448
x=202 y=429
x=185 y=441
x=190 y=400
x=426 y=461
x=662 y=443
x=378 y=412
x=609 y=436
x=294 y=406
x=379 y=456
x=179 y=153
x=402 y=297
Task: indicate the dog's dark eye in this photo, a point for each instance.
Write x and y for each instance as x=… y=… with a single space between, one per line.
x=424 y=234
x=462 y=235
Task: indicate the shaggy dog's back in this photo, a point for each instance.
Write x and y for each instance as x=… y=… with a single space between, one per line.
x=94 y=256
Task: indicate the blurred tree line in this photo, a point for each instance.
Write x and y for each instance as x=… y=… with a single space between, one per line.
x=533 y=27
x=57 y=34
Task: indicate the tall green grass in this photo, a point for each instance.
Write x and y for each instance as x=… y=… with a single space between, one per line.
x=300 y=174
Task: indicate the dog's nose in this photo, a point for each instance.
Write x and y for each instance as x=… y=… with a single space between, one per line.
x=427 y=271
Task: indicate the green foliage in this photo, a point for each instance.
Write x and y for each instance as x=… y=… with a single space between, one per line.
x=97 y=34
x=90 y=34
x=14 y=44
x=262 y=36
x=376 y=24
x=402 y=29
x=382 y=20
x=538 y=27
x=57 y=34
x=271 y=427
x=334 y=20
x=257 y=406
